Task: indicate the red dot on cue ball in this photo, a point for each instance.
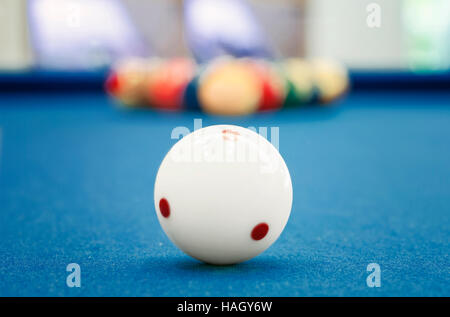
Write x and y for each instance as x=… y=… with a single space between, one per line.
x=164 y=207
x=260 y=231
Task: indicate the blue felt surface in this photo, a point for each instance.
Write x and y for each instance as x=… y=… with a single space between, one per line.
x=371 y=184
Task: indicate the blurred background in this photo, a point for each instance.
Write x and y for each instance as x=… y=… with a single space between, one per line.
x=370 y=172
x=412 y=35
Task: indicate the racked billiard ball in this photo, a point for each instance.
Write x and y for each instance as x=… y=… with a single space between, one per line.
x=229 y=86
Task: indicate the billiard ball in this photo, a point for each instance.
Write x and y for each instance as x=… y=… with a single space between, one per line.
x=299 y=75
x=273 y=85
x=223 y=194
x=190 y=97
x=126 y=81
x=330 y=78
x=229 y=86
x=166 y=85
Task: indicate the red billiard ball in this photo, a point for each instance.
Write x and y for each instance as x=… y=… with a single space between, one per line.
x=272 y=83
x=167 y=83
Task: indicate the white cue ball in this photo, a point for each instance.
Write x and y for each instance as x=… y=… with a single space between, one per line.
x=223 y=194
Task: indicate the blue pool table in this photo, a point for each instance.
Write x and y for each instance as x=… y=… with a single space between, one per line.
x=371 y=179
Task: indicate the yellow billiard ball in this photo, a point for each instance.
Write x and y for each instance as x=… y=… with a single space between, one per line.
x=229 y=87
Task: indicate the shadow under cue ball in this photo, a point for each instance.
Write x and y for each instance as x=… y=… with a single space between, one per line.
x=229 y=87
x=223 y=194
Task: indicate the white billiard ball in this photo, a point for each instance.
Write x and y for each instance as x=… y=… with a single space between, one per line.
x=223 y=194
